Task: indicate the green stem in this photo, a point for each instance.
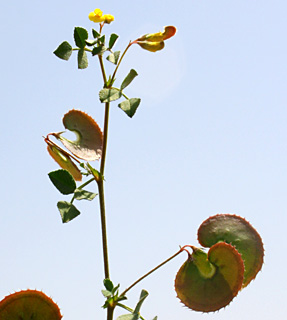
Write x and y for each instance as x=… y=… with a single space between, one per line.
x=86 y=183
x=110 y=313
x=121 y=58
x=150 y=272
x=102 y=69
x=105 y=137
x=104 y=228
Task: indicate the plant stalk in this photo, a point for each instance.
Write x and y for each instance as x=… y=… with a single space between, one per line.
x=150 y=272
x=104 y=228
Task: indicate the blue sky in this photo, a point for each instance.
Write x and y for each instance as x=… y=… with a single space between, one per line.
x=209 y=137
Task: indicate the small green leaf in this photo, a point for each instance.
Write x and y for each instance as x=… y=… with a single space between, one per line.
x=114 y=57
x=90 y=42
x=95 y=33
x=67 y=210
x=63 y=181
x=80 y=194
x=108 y=284
x=128 y=79
x=99 y=50
x=102 y=39
x=80 y=37
x=143 y=296
x=113 y=39
x=127 y=317
x=82 y=59
x=155 y=318
x=106 y=293
x=108 y=95
x=64 y=51
x=130 y=106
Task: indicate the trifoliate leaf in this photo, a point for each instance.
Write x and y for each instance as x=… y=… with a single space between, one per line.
x=63 y=181
x=128 y=79
x=108 y=95
x=113 y=39
x=64 y=51
x=80 y=37
x=67 y=210
x=114 y=57
x=29 y=304
x=81 y=194
x=130 y=106
x=82 y=59
x=88 y=145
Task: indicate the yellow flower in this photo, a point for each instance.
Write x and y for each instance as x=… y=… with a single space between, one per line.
x=108 y=18
x=97 y=16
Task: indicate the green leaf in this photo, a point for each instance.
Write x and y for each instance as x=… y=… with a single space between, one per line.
x=106 y=293
x=143 y=296
x=130 y=106
x=82 y=59
x=64 y=51
x=67 y=210
x=108 y=284
x=90 y=42
x=108 y=95
x=126 y=317
x=99 y=50
x=63 y=181
x=95 y=33
x=80 y=194
x=128 y=79
x=114 y=57
x=113 y=39
x=102 y=39
x=80 y=37
x=155 y=318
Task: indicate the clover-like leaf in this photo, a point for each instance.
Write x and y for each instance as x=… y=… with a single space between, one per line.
x=108 y=284
x=29 y=304
x=64 y=51
x=81 y=194
x=113 y=39
x=67 y=210
x=88 y=145
x=238 y=232
x=114 y=57
x=128 y=79
x=82 y=59
x=63 y=181
x=209 y=282
x=80 y=37
x=64 y=161
x=99 y=50
x=130 y=106
x=108 y=95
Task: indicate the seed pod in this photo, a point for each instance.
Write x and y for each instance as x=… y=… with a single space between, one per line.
x=29 y=304
x=209 y=282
